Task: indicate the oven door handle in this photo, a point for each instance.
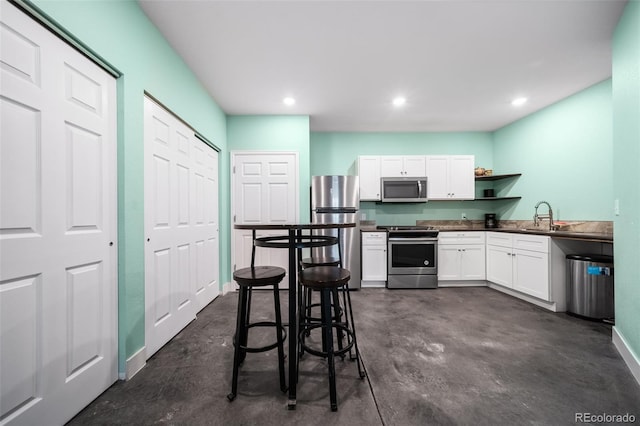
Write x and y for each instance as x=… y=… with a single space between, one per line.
x=409 y=240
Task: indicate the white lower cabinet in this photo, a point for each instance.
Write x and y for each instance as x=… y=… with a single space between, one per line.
x=519 y=262
x=374 y=259
x=531 y=273
x=500 y=265
x=461 y=256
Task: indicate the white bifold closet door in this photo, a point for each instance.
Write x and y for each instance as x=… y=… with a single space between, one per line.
x=181 y=225
x=58 y=251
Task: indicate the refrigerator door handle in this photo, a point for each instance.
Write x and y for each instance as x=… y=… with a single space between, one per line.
x=335 y=210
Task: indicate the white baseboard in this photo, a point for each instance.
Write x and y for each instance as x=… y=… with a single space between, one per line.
x=227 y=287
x=461 y=283
x=629 y=357
x=373 y=284
x=135 y=363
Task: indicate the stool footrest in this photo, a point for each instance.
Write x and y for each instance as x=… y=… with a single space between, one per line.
x=283 y=337
x=316 y=352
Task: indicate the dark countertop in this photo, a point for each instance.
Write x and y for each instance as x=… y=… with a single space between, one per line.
x=583 y=236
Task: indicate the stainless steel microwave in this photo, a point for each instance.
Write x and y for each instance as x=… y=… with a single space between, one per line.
x=404 y=189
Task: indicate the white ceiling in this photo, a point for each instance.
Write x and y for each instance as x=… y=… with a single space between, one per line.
x=458 y=63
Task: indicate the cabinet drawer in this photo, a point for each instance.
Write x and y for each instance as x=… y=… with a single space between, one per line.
x=537 y=243
x=501 y=239
x=462 y=237
x=374 y=238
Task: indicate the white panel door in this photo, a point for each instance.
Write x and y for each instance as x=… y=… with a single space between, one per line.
x=58 y=288
x=181 y=225
x=206 y=228
x=265 y=190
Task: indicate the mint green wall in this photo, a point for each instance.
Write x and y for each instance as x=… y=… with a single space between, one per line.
x=121 y=33
x=626 y=162
x=565 y=155
x=337 y=153
x=274 y=133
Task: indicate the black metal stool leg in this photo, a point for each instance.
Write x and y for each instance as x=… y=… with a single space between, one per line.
x=338 y=316
x=355 y=339
x=240 y=330
x=328 y=339
x=276 y=303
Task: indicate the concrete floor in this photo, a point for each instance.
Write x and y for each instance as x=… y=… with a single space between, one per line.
x=451 y=356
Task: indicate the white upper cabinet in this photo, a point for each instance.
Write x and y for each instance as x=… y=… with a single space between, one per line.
x=403 y=166
x=450 y=177
x=369 y=174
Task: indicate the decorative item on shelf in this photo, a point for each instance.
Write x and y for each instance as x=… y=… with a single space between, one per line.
x=488 y=172
x=489 y=193
x=479 y=171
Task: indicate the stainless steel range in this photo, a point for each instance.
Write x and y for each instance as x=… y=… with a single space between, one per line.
x=412 y=257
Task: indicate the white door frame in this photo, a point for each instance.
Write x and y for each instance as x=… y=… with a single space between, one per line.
x=233 y=160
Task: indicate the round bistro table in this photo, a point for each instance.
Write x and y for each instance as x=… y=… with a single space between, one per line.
x=293 y=241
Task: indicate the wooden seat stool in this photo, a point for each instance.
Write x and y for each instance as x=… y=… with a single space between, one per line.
x=247 y=279
x=327 y=279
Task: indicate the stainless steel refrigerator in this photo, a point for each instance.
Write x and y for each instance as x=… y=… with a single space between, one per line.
x=336 y=199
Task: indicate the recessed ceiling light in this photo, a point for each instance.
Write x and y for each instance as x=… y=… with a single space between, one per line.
x=399 y=101
x=289 y=101
x=519 y=101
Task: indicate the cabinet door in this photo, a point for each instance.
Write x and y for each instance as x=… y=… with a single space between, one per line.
x=391 y=166
x=374 y=263
x=472 y=262
x=448 y=262
x=369 y=174
x=437 y=177
x=415 y=166
x=499 y=265
x=462 y=183
x=531 y=273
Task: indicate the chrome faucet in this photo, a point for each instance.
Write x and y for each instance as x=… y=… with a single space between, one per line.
x=537 y=217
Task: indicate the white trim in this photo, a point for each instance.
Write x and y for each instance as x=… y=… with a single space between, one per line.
x=462 y=283
x=228 y=287
x=373 y=284
x=629 y=357
x=135 y=363
x=52 y=25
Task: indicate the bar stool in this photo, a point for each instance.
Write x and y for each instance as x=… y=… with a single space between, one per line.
x=306 y=309
x=327 y=279
x=247 y=279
